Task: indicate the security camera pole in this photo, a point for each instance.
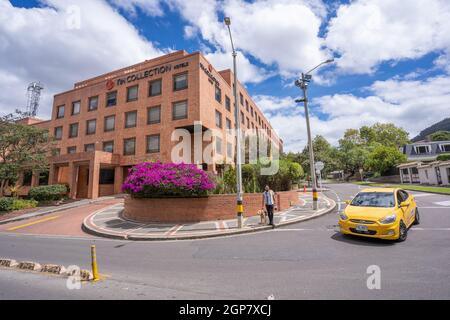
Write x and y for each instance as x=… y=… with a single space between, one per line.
x=239 y=207
x=303 y=84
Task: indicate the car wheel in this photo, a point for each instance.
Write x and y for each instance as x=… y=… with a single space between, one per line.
x=416 y=218
x=402 y=232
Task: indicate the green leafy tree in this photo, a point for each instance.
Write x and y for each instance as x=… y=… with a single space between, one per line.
x=440 y=136
x=386 y=134
x=21 y=146
x=383 y=158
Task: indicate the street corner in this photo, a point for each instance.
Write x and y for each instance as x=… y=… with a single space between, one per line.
x=110 y=223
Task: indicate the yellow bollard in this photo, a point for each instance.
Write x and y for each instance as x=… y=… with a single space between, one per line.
x=94 y=264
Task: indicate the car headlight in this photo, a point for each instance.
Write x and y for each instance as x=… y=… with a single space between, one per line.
x=343 y=216
x=389 y=219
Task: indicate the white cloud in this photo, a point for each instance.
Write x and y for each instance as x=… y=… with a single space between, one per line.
x=412 y=105
x=247 y=72
x=149 y=7
x=368 y=32
x=46 y=44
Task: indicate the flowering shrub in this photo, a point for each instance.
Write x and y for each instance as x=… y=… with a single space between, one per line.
x=155 y=179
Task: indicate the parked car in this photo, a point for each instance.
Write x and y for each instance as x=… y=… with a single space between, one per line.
x=385 y=213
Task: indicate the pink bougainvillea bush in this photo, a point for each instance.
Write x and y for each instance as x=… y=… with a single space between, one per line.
x=156 y=179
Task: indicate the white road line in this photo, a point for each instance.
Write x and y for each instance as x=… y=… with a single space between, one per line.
x=434 y=208
x=443 y=203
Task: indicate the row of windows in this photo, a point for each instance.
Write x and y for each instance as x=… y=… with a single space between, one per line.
x=129 y=146
x=180 y=82
x=179 y=111
x=153 y=145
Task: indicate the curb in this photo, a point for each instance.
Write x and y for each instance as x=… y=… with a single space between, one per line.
x=422 y=191
x=52 y=210
x=93 y=231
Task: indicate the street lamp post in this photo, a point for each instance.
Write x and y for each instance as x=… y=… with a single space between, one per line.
x=303 y=84
x=239 y=198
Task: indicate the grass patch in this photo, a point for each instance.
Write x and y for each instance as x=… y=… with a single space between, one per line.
x=444 y=190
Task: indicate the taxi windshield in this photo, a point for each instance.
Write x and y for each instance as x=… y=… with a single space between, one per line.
x=374 y=199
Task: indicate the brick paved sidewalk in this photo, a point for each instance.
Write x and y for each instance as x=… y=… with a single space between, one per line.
x=110 y=223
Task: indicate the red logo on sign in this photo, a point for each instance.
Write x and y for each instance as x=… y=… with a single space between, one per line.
x=210 y=68
x=109 y=84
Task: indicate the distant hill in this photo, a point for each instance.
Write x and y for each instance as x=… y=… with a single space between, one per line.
x=443 y=125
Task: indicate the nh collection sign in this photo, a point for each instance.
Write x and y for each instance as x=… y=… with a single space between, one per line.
x=146 y=74
x=208 y=72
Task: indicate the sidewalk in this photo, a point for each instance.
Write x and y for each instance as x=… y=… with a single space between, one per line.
x=109 y=223
x=51 y=209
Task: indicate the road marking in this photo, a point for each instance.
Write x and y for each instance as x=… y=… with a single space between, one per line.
x=433 y=208
x=174 y=230
x=443 y=203
x=32 y=223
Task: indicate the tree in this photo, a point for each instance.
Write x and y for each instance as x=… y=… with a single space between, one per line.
x=440 y=136
x=323 y=151
x=383 y=158
x=386 y=134
x=21 y=147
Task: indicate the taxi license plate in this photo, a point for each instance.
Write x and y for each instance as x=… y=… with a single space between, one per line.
x=361 y=228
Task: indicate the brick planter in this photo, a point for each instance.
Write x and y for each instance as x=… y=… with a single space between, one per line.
x=214 y=207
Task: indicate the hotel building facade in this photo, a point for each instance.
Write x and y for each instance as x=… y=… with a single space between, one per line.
x=107 y=124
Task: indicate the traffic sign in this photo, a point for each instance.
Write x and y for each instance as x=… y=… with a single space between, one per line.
x=320 y=165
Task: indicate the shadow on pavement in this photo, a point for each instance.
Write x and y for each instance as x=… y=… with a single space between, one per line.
x=361 y=241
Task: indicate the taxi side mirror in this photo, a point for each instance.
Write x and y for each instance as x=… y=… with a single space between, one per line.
x=404 y=204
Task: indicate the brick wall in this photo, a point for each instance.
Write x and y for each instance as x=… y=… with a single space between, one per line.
x=214 y=207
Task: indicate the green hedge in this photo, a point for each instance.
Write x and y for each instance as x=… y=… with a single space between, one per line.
x=443 y=157
x=52 y=192
x=10 y=204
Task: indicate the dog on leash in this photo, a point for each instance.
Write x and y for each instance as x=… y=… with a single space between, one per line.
x=263 y=216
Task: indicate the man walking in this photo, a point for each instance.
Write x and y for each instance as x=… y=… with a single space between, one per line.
x=269 y=201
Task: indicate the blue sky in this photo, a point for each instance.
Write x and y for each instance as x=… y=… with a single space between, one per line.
x=391 y=59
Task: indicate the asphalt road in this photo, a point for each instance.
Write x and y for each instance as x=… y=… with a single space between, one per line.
x=309 y=260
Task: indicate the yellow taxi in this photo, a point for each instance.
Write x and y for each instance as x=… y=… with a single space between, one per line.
x=385 y=213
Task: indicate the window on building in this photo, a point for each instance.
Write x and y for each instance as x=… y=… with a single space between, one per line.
x=227 y=103
x=228 y=123
x=93 y=103
x=218 y=119
x=180 y=81
x=422 y=149
x=218 y=94
x=179 y=110
x=251 y=111
x=218 y=145
x=27 y=176
x=111 y=98
x=129 y=146
x=71 y=150
x=91 y=126
x=132 y=93
x=153 y=143
x=241 y=98
x=76 y=106
x=448 y=174
x=73 y=130
x=106 y=176
x=229 y=150
x=426 y=174
x=89 y=147
x=130 y=119
x=60 y=111
x=110 y=123
x=155 y=88
x=248 y=123
x=108 y=146
x=43 y=178
x=246 y=106
x=154 y=115
x=242 y=118
x=58 y=133
x=414 y=170
x=445 y=147
x=56 y=152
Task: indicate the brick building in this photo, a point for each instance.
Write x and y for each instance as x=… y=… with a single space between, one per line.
x=106 y=124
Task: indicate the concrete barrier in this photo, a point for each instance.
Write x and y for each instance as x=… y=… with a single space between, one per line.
x=10 y=263
x=29 y=265
x=54 y=268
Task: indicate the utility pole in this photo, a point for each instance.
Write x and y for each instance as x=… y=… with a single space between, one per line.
x=303 y=85
x=239 y=196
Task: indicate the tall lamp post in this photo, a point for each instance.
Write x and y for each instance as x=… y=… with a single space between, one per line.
x=239 y=205
x=303 y=84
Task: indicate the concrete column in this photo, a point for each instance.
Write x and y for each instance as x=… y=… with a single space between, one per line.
x=401 y=175
x=94 y=175
x=410 y=175
x=118 y=179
